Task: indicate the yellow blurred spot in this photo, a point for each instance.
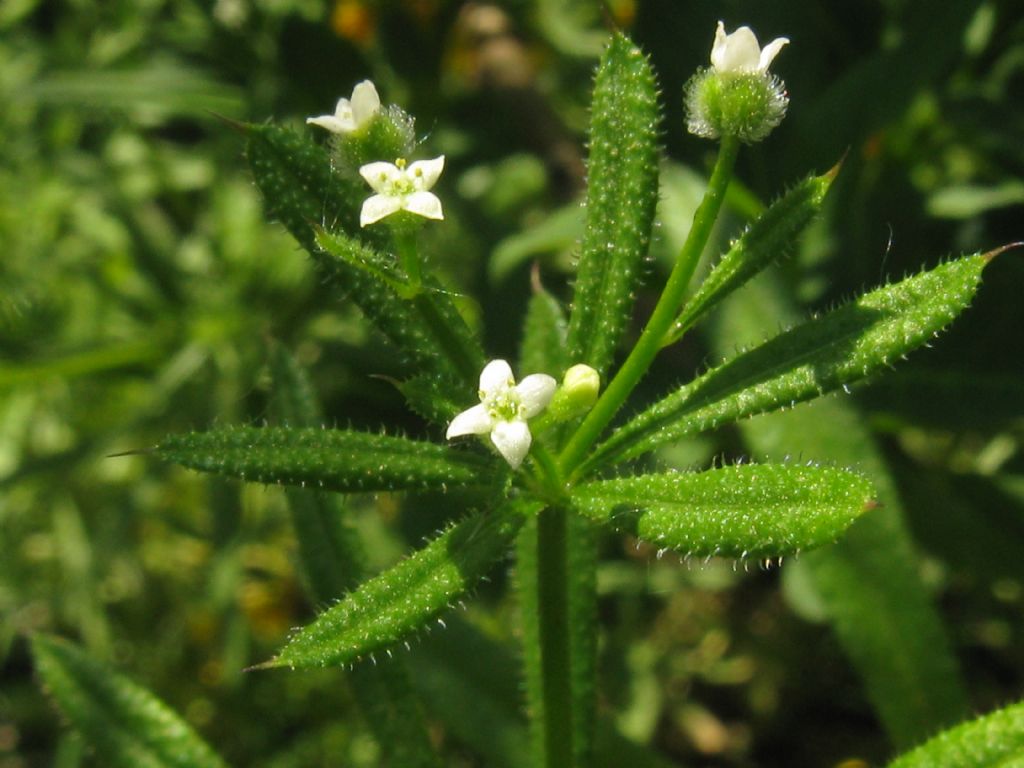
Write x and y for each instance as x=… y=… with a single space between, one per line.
x=853 y=762
x=353 y=21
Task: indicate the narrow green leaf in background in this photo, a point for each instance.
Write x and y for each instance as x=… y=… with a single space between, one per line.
x=622 y=194
x=753 y=510
x=330 y=459
x=334 y=561
x=125 y=724
x=821 y=355
x=869 y=581
x=399 y=602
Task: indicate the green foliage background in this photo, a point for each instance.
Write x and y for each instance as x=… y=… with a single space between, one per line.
x=140 y=288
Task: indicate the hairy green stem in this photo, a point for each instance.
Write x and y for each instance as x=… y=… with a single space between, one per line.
x=553 y=609
x=409 y=258
x=653 y=336
x=549 y=475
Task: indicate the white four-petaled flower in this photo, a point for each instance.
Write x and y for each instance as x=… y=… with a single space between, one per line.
x=351 y=115
x=400 y=188
x=504 y=409
x=740 y=52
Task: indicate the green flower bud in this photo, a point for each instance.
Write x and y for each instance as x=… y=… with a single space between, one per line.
x=736 y=95
x=577 y=395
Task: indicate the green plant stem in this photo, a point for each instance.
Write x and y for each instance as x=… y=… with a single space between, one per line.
x=553 y=619
x=661 y=320
x=409 y=258
x=550 y=477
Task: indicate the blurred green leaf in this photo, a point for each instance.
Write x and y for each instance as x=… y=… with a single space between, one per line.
x=124 y=723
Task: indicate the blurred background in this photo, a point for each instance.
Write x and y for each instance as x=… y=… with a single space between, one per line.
x=140 y=286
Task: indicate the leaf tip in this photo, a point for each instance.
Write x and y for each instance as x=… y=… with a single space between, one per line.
x=269 y=664
x=237 y=125
x=989 y=255
x=134 y=452
x=831 y=174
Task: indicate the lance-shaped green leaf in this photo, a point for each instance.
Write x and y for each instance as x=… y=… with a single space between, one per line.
x=997 y=739
x=396 y=604
x=821 y=355
x=331 y=459
x=771 y=237
x=753 y=510
x=622 y=194
x=122 y=722
x=544 y=335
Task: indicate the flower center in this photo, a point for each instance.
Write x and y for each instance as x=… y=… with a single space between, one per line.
x=503 y=404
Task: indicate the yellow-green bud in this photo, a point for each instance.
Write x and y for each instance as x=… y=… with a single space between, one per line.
x=577 y=394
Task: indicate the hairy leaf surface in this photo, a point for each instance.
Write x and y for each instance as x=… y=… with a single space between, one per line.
x=754 y=510
x=821 y=355
x=399 y=602
x=331 y=459
x=622 y=194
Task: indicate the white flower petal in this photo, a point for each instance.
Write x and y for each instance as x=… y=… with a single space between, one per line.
x=512 y=439
x=770 y=51
x=535 y=392
x=496 y=377
x=426 y=204
x=424 y=173
x=719 y=46
x=380 y=176
x=330 y=122
x=365 y=103
x=472 y=421
x=376 y=207
x=737 y=52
